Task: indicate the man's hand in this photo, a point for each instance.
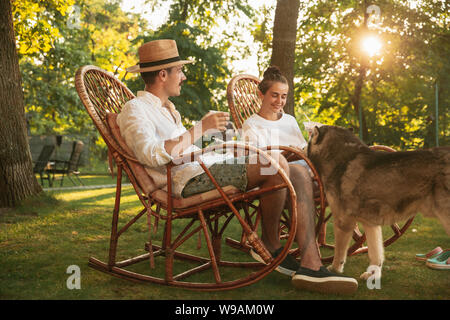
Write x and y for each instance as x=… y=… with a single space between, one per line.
x=215 y=120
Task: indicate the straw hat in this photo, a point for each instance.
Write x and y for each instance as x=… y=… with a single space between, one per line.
x=157 y=55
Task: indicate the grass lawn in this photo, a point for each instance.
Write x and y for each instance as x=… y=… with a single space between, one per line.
x=42 y=238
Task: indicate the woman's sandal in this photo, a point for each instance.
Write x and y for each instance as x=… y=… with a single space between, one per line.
x=432 y=254
x=441 y=262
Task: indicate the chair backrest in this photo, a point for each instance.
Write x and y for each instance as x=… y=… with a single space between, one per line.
x=43 y=158
x=101 y=93
x=103 y=96
x=243 y=99
x=75 y=156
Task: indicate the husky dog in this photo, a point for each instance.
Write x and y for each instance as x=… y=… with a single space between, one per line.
x=377 y=188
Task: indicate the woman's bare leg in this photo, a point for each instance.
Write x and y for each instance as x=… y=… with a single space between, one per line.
x=306 y=238
x=271 y=204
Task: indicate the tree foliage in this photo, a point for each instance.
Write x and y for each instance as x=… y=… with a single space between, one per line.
x=398 y=92
x=395 y=89
x=197 y=97
x=35 y=24
x=192 y=24
x=55 y=38
x=72 y=34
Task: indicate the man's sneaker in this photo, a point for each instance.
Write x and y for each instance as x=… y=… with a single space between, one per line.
x=288 y=266
x=323 y=281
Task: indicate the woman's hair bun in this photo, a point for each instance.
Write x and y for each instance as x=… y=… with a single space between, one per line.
x=272 y=73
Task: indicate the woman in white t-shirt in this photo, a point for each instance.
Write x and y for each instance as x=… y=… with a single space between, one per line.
x=272 y=127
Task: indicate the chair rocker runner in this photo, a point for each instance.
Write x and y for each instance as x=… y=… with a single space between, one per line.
x=213 y=215
x=243 y=101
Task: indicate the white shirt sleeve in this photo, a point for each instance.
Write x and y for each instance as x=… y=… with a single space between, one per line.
x=140 y=136
x=301 y=142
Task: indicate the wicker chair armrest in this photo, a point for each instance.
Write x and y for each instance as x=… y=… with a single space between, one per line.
x=291 y=153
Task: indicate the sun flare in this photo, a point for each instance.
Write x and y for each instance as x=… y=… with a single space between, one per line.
x=372 y=45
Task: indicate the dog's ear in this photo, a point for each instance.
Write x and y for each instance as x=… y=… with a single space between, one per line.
x=316 y=135
x=351 y=129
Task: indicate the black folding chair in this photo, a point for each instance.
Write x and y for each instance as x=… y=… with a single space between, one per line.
x=42 y=163
x=69 y=167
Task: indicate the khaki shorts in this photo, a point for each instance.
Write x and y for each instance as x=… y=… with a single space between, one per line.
x=226 y=174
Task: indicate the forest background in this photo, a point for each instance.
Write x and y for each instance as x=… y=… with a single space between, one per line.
x=398 y=86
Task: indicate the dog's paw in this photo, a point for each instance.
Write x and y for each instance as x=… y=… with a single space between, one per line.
x=336 y=270
x=372 y=271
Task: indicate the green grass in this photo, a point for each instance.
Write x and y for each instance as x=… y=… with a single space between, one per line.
x=88 y=180
x=47 y=234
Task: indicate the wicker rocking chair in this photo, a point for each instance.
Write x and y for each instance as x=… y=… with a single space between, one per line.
x=173 y=256
x=243 y=101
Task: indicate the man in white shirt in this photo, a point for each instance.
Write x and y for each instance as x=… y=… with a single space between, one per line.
x=152 y=128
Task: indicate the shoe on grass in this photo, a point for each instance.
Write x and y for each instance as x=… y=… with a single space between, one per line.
x=288 y=266
x=432 y=254
x=440 y=262
x=323 y=281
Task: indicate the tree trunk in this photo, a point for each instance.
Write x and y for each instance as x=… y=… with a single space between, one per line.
x=359 y=84
x=17 y=180
x=356 y=101
x=283 y=45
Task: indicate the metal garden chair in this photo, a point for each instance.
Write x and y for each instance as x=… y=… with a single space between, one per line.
x=41 y=164
x=173 y=255
x=69 y=167
x=243 y=101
